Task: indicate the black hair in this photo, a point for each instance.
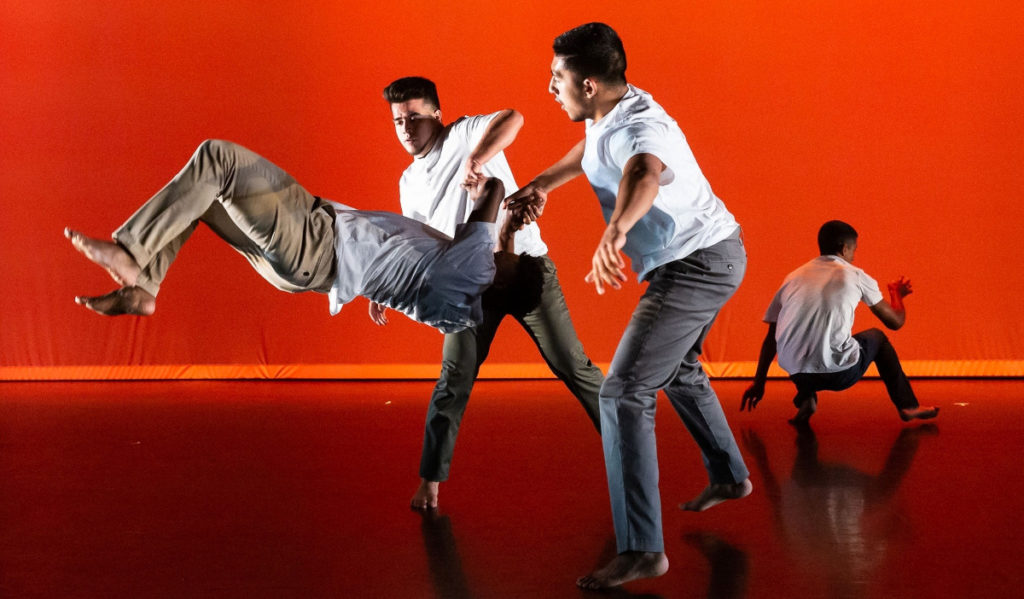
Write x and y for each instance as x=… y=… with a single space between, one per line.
x=412 y=88
x=833 y=235
x=518 y=284
x=593 y=51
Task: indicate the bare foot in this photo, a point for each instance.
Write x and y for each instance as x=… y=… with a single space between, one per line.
x=426 y=495
x=126 y=300
x=626 y=566
x=118 y=263
x=714 y=494
x=919 y=413
x=807 y=409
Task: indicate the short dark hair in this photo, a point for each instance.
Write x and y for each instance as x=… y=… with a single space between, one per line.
x=833 y=235
x=412 y=88
x=593 y=51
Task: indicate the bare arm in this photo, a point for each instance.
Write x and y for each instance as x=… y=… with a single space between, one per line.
x=755 y=392
x=566 y=169
x=499 y=134
x=507 y=235
x=893 y=313
x=530 y=198
x=637 y=191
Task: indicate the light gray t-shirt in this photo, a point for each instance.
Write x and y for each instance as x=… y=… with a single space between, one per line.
x=430 y=190
x=411 y=267
x=813 y=312
x=686 y=215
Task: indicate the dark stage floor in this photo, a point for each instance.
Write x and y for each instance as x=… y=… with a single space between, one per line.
x=276 y=489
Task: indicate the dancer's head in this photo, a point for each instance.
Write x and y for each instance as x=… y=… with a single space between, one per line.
x=416 y=111
x=588 y=59
x=836 y=238
x=518 y=284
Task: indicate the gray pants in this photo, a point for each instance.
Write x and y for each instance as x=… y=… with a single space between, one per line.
x=286 y=233
x=550 y=328
x=659 y=350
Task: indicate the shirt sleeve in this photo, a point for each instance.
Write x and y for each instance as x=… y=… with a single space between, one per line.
x=470 y=129
x=641 y=138
x=870 y=293
x=772 y=313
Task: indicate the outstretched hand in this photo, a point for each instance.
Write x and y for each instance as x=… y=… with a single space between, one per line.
x=900 y=287
x=528 y=202
x=752 y=396
x=377 y=314
x=607 y=264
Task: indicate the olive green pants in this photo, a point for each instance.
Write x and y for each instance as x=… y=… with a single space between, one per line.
x=550 y=327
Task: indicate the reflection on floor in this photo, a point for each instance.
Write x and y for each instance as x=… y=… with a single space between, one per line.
x=261 y=489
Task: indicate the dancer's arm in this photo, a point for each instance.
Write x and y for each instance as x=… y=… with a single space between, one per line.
x=892 y=313
x=755 y=392
x=641 y=178
x=530 y=198
x=499 y=134
x=507 y=235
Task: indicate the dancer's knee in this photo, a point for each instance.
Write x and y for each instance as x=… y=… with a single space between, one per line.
x=876 y=335
x=616 y=389
x=613 y=385
x=216 y=150
x=456 y=380
x=214 y=145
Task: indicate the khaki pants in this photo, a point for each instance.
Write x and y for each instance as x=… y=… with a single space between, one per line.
x=286 y=233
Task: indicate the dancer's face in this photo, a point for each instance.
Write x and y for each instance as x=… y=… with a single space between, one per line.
x=417 y=124
x=570 y=92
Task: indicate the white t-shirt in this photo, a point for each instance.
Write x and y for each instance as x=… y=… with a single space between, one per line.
x=813 y=312
x=410 y=267
x=430 y=189
x=686 y=215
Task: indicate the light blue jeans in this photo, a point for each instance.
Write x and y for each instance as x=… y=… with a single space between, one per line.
x=659 y=350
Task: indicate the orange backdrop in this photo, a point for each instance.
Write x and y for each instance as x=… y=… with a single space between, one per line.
x=902 y=118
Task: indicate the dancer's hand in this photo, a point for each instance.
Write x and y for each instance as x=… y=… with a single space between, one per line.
x=528 y=202
x=752 y=396
x=377 y=314
x=900 y=287
x=607 y=264
x=474 y=173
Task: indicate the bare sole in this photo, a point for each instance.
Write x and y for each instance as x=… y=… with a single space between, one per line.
x=124 y=301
